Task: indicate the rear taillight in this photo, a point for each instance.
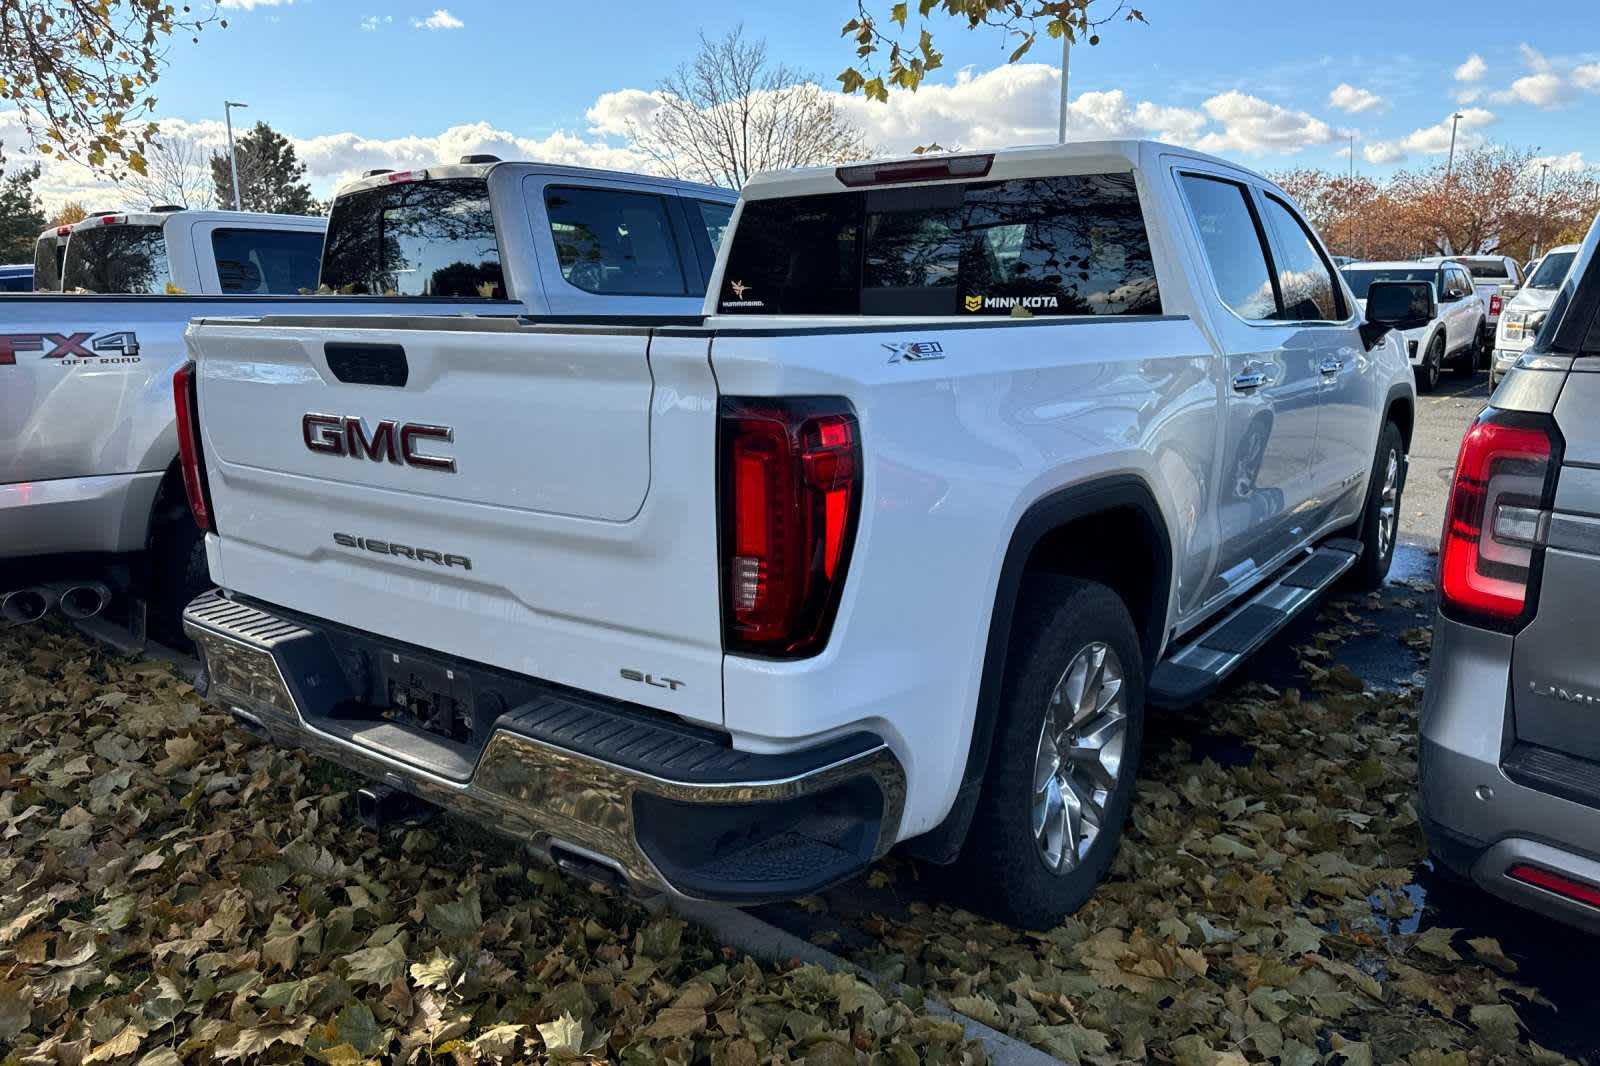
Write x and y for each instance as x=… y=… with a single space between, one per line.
x=190 y=456
x=1496 y=519
x=1495 y=303
x=791 y=492
x=1565 y=887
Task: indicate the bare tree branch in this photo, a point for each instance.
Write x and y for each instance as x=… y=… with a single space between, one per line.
x=732 y=112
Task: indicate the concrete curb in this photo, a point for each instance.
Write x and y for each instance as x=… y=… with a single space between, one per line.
x=769 y=943
x=113 y=635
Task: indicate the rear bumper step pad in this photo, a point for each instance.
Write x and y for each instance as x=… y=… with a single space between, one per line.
x=664 y=806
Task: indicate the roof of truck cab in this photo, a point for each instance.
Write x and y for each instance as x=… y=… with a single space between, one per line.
x=1025 y=161
x=257 y=219
x=1485 y=258
x=1396 y=264
x=440 y=171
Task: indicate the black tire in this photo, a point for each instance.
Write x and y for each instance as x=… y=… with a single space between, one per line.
x=1428 y=370
x=1378 y=549
x=1003 y=866
x=180 y=573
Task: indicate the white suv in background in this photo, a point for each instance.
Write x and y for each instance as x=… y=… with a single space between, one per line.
x=1496 y=277
x=1454 y=335
x=1525 y=312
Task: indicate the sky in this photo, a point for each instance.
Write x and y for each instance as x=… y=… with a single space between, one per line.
x=400 y=83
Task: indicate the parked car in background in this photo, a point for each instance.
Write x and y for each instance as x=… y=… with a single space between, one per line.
x=1525 y=312
x=1510 y=755
x=638 y=593
x=1495 y=277
x=90 y=488
x=1455 y=333
x=18 y=278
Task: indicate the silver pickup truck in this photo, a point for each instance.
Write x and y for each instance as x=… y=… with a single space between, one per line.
x=90 y=489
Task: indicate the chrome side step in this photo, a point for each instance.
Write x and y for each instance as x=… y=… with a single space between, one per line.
x=1194 y=670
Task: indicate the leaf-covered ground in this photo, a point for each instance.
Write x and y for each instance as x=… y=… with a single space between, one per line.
x=1260 y=909
x=173 y=891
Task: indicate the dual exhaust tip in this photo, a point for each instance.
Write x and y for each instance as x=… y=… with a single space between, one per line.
x=75 y=599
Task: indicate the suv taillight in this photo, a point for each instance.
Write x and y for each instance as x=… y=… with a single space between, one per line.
x=190 y=457
x=790 y=495
x=1497 y=518
x=1495 y=303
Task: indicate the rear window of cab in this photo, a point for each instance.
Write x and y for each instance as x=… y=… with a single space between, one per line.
x=1074 y=245
x=414 y=238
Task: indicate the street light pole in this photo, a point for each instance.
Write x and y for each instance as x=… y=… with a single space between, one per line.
x=1352 y=157
x=1066 y=53
x=1450 y=163
x=1538 y=233
x=233 y=157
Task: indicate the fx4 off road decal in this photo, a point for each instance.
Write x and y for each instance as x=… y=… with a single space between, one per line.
x=71 y=349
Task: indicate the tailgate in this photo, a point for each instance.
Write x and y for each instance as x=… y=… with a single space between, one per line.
x=541 y=499
x=1555 y=671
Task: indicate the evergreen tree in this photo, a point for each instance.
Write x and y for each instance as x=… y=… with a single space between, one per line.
x=271 y=177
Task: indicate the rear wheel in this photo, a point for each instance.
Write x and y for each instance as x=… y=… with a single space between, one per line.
x=1380 y=519
x=179 y=573
x=1061 y=776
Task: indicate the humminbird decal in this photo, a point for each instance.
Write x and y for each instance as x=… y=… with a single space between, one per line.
x=397 y=442
x=402 y=551
x=915 y=351
x=71 y=349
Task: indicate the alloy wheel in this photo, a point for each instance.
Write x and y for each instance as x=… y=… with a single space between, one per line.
x=1079 y=759
x=1389 y=505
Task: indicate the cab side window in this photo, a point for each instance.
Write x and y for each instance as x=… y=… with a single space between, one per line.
x=1306 y=279
x=1234 y=246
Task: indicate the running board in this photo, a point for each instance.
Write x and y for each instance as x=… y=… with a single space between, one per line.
x=1194 y=670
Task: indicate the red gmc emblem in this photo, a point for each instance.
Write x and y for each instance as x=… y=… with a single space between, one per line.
x=396 y=442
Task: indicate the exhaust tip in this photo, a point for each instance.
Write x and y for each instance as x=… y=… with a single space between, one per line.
x=24 y=605
x=84 y=601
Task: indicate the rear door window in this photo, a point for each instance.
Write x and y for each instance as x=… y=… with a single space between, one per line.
x=416 y=238
x=1048 y=246
x=118 y=259
x=1488 y=269
x=47 y=255
x=1305 y=278
x=615 y=243
x=1234 y=245
x=267 y=262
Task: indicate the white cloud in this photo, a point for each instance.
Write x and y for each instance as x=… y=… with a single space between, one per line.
x=441 y=19
x=1545 y=89
x=1349 y=98
x=1473 y=69
x=372 y=22
x=1568 y=162
x=1587 y=76
x=251 y=5
x=613 y=112
x=1255 y=126
x=1468 y=96
x=1431 y=140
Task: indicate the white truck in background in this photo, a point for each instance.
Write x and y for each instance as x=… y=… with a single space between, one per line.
x=90 y=490
x=967 y=460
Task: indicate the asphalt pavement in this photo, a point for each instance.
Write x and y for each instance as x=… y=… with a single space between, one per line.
x=1442 y=417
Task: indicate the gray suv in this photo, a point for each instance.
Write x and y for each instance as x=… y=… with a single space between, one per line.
x=1510 y=758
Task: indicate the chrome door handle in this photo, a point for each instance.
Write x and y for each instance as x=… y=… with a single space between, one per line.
x=1331 y=366
x=1249 y=379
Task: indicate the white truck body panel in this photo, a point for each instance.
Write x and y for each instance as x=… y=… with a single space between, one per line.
x=595 y=552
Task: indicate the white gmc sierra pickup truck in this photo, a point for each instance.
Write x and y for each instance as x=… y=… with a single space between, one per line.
x=969 y=459
x=89 y=482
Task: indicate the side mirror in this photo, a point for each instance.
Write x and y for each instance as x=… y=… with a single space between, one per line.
x=1400 y=305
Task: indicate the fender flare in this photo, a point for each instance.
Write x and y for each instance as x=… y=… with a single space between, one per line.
x=1051 y=512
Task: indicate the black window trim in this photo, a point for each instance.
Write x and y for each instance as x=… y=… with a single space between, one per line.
x=688 y=269
x=1267 y=251
x=1335 y=279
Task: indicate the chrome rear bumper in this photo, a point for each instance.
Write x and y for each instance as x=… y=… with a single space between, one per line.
x=565 y=802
